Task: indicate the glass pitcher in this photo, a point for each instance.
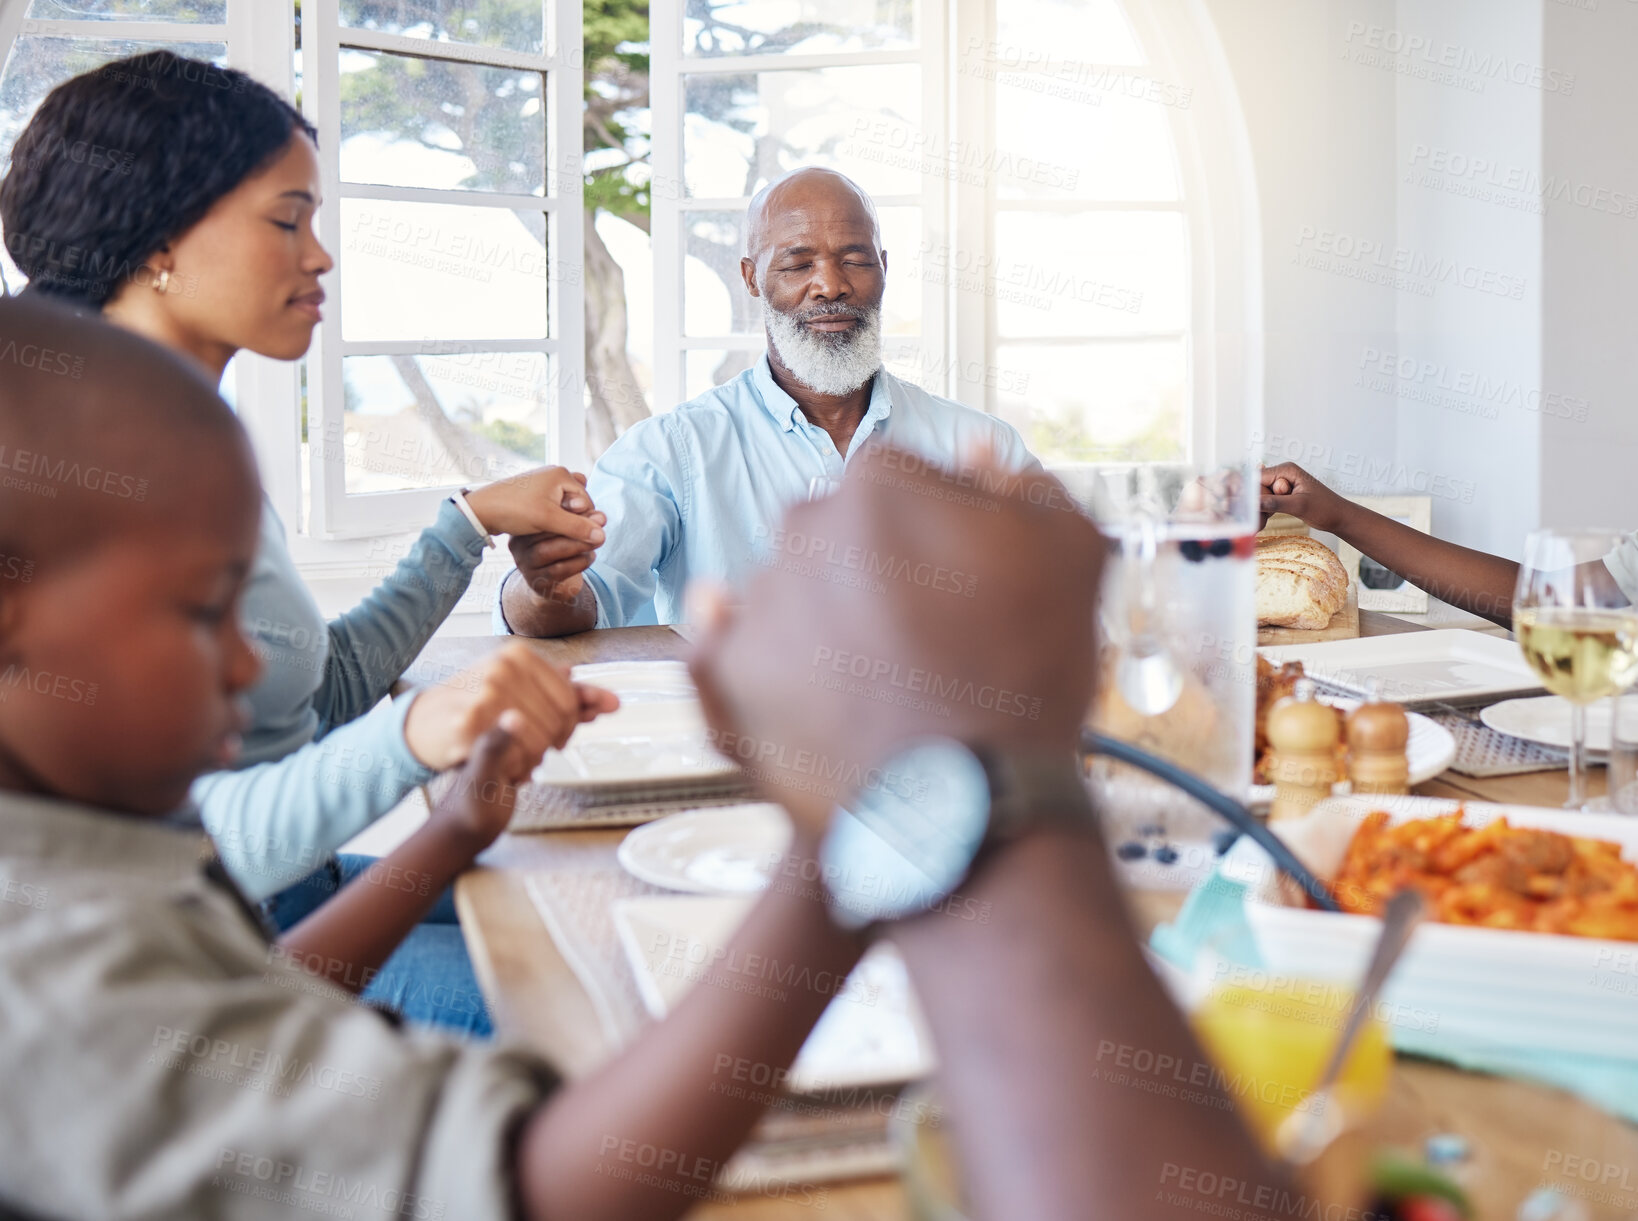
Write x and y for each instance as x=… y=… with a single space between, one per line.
x=1178 y=671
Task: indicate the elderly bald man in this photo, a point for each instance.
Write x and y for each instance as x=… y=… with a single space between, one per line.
x=697 y=491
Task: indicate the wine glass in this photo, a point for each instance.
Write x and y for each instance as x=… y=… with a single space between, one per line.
x=1577 y=629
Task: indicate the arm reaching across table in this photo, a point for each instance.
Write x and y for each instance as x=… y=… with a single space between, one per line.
x=1473 y=580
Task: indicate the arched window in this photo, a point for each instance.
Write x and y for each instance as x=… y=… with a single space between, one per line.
x=1065 y=193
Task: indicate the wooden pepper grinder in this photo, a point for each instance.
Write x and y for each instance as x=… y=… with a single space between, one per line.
x=1302 y=738
x=1377 y=734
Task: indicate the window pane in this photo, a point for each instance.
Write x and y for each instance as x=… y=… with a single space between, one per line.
x=1096 y=273
x=1097 y=402
x=518 y=25
x=441 y=271
x=908 y=360
x=37 y=65
x=715 y=301
x=740 y=131
x=1052 y=32
x=412 y=122
x=901 y=303
x=1122 y=147
x=704 y=368
x=904 y=359
x=803 y=27
x=213 y=12
x=438 y=421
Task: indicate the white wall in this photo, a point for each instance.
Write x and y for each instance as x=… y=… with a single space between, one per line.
x=1591 y=307
x=1322 y=147
x=1469 y=355
x=1490 y=366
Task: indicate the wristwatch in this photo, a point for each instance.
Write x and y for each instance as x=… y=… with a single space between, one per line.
x=927 y=816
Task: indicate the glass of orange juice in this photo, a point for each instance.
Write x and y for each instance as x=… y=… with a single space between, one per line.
x=1271 y=1037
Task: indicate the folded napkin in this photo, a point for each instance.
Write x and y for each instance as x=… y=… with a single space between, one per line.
x=1213 y=922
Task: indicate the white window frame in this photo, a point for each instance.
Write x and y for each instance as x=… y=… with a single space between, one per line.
x=262 y=44
x=670 y=204
x=334 y=512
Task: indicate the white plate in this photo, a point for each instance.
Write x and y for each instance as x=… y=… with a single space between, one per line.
x=721 y=850
x=871 y=1033
x=648 y=743
x=1546 y=720
x=640 y=682
x=1428 y=751
x=1451 y=665
x=1457 y=987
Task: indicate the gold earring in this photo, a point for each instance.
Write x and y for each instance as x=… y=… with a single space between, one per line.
x=163 y=283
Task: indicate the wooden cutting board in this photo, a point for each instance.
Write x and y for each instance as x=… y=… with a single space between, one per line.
x=1344 y=625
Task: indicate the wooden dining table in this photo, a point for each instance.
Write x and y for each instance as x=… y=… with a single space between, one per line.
x=1520 y=1135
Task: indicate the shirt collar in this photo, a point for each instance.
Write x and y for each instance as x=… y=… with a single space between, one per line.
x=787 y=413
x=50 y=829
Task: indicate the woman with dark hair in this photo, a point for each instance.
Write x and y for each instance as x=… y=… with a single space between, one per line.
x=177 y=198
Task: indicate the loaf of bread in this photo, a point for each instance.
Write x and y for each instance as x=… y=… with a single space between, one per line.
x=1300 y=583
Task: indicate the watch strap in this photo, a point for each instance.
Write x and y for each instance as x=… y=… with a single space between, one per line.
x=1028 y=792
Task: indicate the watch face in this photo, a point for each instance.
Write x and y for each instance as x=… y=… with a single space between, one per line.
x=910 y=836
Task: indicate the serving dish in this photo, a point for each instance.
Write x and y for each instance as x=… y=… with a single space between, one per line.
x=1467 y=986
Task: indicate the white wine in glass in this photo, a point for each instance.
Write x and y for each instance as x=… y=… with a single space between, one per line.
x=1576 y=629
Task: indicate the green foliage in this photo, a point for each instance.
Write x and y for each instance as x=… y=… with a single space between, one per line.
x=611 y=190
x=615 y=37
x=518 y=438
x=614 y=30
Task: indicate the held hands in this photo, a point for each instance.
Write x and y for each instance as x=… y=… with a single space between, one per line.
x=447 y=719
x=980 y=627
x=548 y=500
x=550 y=564
x=1287 y=488
x=479 y=805
x=554 y=527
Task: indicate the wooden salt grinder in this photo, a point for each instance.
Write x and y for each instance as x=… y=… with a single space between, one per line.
x=1302 y=737
x=1377 y=734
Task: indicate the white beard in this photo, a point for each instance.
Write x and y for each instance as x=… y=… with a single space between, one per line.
x=835 y=363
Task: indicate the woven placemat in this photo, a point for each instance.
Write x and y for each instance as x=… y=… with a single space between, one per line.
x=550 y=809
x=799 y=1140
x=1482 y=752
x=547 y=808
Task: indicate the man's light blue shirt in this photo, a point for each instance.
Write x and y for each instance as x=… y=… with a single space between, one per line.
x=698 y=491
